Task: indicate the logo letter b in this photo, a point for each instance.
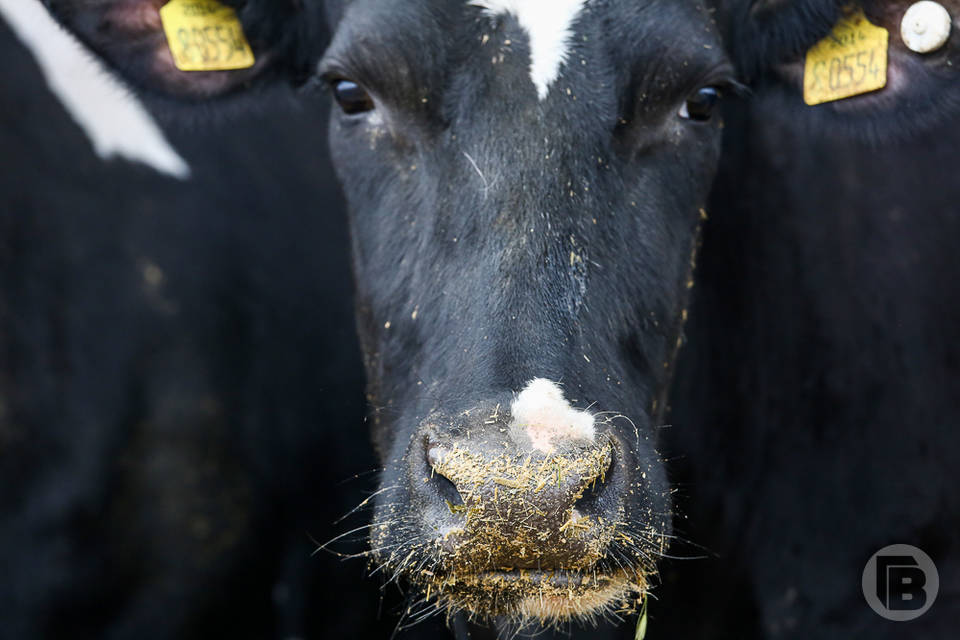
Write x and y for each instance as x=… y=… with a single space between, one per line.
x=900 y=583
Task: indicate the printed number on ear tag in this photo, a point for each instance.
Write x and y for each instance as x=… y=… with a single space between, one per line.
x=205 y=35
x=850 y=61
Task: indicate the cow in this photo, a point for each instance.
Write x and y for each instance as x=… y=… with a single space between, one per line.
x=816 y=400
x=524 y=200
x=526 y=183
x=180 y=386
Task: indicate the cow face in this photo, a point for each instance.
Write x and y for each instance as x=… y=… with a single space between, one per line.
x=525 y=181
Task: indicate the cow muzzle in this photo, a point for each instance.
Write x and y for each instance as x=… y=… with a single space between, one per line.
x=517 y=530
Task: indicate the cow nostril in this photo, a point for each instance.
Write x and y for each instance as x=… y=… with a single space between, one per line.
x=446 y=490
x=590 y=503
x=444 y=487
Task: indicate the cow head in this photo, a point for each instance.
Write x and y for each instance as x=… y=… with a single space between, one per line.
x=525 y=181
x=284 y=36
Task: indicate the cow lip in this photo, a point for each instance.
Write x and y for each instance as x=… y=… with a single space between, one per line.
x=548 y=597
x=560 y=578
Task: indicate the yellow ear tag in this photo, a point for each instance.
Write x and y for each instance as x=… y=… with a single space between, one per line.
x=205 y=35
x=850 y=61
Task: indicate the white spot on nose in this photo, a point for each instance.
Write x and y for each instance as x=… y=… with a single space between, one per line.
x=542 y=413
x=548 y=24
x=925 y=26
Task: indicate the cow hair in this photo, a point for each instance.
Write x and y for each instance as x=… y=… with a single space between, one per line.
x=763 y=33
x=293 y=30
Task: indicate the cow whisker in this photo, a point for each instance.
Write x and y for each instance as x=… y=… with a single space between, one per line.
x=326 y=544
x=365 y=502
x=473 y=163
x=359 y=475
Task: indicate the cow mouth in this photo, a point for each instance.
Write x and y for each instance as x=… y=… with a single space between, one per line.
x=549 y=597
x=554 y=578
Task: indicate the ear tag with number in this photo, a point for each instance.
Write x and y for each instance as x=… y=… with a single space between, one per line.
x=205 y=35
x=850 y=61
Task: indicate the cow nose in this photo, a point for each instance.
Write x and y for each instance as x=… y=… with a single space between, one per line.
x=502 y=506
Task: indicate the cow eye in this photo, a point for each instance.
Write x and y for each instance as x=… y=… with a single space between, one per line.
x=700 y=105
x=351 y=97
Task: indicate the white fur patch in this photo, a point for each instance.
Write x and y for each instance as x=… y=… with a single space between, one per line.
x=111 y=116
x=542 y=413
x=549 y=25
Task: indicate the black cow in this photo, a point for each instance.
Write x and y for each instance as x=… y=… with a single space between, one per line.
x=524 y=202
x=180 y=388
x=816 y=403
x=526 y=182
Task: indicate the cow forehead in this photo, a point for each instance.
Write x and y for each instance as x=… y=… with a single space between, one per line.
x=549 y=27
x=420 y=45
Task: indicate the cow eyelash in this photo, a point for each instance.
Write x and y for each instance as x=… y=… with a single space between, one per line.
x=699 y=105
x=351 y=96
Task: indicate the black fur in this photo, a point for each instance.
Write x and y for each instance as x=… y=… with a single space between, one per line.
x=763 y=34
x=499 y=239
x=747 y=394
x=169 y=447
x=814 y=411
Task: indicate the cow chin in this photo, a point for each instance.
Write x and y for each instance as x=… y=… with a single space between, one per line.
x=532 y=597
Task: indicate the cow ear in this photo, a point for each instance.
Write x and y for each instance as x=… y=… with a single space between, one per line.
x=198 y=49
x=771 y=42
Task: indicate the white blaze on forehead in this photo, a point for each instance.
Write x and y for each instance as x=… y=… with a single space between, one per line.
x=111 y=116
x=549 y=27
x=542 y=413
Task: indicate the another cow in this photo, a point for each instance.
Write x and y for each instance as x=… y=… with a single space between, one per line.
x=180 y=388
x=816 y=403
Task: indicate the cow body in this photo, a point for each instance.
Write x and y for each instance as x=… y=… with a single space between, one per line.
x=812 y=415
x=176 y=357
x=823 y=363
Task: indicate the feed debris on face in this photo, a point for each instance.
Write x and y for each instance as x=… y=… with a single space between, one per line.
x=523 y=595
x=511 y=555
x=504 y=512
